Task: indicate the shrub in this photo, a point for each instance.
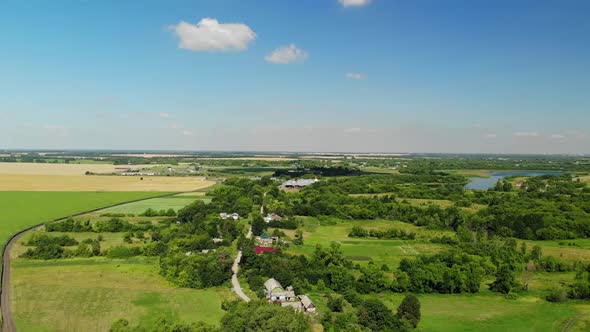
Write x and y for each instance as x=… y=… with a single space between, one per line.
x=557 y=294
x=123 y=252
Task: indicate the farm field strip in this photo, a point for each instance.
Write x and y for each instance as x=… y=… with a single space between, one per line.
x=165 y=203
x=25 y=209
x=70 y=183
x=62 y=169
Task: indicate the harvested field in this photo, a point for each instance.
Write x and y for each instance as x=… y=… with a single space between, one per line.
x=62 y=169
x=27 y=182
x=256 y=157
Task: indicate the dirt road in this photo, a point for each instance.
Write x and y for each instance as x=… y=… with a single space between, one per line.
x=235 y=269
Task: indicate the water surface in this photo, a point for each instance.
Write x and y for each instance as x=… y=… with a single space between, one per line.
x=486 y=183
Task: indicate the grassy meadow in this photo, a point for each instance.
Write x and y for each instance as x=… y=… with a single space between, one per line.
x=89 y=294
x=485 y=311
x=164 y=203
x=363 y=250
x=491 y=312
x=21 y=210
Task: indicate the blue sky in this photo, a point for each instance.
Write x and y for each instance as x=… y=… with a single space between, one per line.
x=378 y=76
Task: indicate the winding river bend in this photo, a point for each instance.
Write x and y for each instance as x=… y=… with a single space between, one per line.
x=486 y=183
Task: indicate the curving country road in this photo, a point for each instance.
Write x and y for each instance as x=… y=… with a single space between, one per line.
x=5 y=305
x=235 y=269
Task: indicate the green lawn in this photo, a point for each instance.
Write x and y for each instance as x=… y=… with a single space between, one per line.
x=90 y=294
x=21 y=210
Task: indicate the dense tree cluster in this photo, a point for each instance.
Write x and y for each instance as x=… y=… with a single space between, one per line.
x=53 y=247
x=162 y=213
x=392 y=233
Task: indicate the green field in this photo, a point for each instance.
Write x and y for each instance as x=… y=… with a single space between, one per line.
x=21 y=210
x=579 y=251
x=173 y=202
x=363 y=250
x=491 y=312
x=485 y=311
x=90 y=294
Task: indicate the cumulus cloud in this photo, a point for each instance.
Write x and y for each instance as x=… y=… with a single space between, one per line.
x=526 y=134
x=356 y=76
x=354 y=3
x=489 y=136
x=557 y=136
x=163 y=115
x=187 y=132
x=210 y=35
x=286 y=55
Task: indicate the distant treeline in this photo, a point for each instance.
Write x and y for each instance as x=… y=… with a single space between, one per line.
x=317 y=171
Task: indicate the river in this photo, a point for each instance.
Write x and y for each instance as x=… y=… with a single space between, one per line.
x=486 y=183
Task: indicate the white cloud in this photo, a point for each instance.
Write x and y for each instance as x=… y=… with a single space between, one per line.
x=526 y=134
x=489 y=136
x=186 y=133
x=210 y=35
x=557 y=136
x=352 y=130
x=356 y=76
x=286 y=55
x=354 y=3
x=164 y=115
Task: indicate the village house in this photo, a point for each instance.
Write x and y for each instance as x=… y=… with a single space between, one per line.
x=224 y=216
x=272 y=217
x=265 y=240
x=274 y=293
x=308 y=306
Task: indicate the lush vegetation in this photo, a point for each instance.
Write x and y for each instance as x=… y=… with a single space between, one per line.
x=21 y=210
x=413 y=231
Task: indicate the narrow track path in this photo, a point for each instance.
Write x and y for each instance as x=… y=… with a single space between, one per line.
x=235 y=269
x=7 y=320
x=570 y=323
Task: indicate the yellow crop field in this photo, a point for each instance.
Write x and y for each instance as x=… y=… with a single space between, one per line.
x=28 y=182
x=62 y=169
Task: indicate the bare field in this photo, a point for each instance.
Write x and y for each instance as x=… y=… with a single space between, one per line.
x=62 y=169
x=256 y=157
x=27 y=182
